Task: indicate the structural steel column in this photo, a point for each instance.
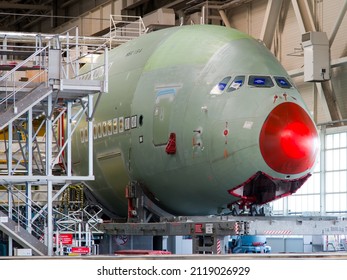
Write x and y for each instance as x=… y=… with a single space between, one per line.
x=50 y=217
x=29 y=168
x=28 y=206
x=10 y=206
x=322 y=171
x=9 y=168
x=68 y=138
x=49 y=145
x=90 y=136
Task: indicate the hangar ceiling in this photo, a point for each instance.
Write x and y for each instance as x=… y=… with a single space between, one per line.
x=18 y=14
x=26 y=15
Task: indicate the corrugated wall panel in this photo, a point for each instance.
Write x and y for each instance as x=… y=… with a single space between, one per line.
x=339 y=81
x=101 y=15
x=307 y=91
x=238 y=18
x=106 y=12
x=258 y=9
x=328 y=17
x=290 y=39
x=328 y=12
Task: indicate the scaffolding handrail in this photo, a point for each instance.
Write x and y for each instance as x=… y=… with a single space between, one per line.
x=78 y=218
x=21 y=219
x=122 y=28
x=64 y=222
x=73 y=43
x=18 y=89
x=11 y=73
x=19 y=65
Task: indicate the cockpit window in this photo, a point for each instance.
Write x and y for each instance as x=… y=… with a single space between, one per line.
x=236 y=83
x=219 y=88
x=260 y=81
x=282 y=82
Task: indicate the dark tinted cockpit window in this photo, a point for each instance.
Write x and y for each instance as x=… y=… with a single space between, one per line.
x=260 y=81
x=282 y=82
x=236 y=83
x=219 y=88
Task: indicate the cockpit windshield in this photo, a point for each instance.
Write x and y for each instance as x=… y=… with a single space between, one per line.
x=282 y=82
x=229 y=84
x=236 y=83
x=260 y=81
x=220 y=87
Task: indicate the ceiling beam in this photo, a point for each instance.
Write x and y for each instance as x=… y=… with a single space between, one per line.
x=15 y=6
x=300 y=13
x=272 y=13
x=306 y=15
x=68 y=3
x=233 y=4
x=224 y=18
x=31 y=22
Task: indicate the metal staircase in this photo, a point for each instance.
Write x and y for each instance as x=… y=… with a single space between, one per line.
x=21 y=235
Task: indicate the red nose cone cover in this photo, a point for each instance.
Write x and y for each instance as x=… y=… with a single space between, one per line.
x=288 y=139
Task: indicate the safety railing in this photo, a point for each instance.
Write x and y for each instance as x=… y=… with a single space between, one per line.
x=18 y=206
x=12 y=87
x=18 y=203
x=80 y=219
x=124 y=28
x=78 y=52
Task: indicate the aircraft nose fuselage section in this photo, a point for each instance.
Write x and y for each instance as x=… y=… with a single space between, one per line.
x=236 y=130
x=262 y=143
x=267 y=149
x=202 y=117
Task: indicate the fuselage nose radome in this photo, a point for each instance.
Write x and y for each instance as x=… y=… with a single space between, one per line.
x=288 y=139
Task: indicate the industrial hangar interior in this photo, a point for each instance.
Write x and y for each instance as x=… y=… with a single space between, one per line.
x=163 y=127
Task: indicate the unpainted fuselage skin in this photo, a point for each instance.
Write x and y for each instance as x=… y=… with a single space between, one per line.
x=168 y=82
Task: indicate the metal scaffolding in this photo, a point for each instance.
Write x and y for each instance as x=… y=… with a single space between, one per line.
x=38 y=119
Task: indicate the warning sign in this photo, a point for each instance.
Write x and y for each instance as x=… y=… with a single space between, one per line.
x=80 y=250
x=198 y=228
x=64 y=238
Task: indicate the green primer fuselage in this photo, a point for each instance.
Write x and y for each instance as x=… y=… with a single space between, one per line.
x=161 y=83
